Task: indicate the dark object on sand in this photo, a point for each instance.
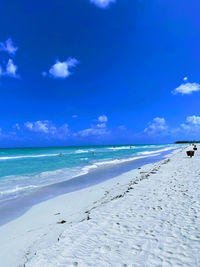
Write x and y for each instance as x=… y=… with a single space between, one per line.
x=190 y=153
x=195 y=148
x=63 y=221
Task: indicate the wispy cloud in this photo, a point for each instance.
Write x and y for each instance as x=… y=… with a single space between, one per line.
x=40 y=126
x=48 y=128
x=187 y=88
x=10 y=69
x=95 y=130
x=156 y=126
x=192 y=125
x=156 y=129
x=60 y=69
x=189 y=129
x=193 y=120
x=8 y=47
x=102 y=3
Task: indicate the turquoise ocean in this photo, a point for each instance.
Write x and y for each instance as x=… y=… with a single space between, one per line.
x=23 y=170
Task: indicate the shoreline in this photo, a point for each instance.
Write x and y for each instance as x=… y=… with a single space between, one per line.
x=38 y=232
x=13 y=208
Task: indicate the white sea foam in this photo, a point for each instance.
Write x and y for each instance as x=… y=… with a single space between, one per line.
x=156 y=151
x=18 y=183
x=151 y=146
x=119 y=161
x=84 y=159
x=80 y=151
x=95 y=165
x=28 y=156
x=146 y=153
x=17 y=189
x=121 y=147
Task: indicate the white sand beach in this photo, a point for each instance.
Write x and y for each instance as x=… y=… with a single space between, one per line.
x=144 y=217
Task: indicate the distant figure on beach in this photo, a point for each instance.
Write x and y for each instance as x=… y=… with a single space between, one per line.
x=130 y=147
x=60 y=155
x=92 y=153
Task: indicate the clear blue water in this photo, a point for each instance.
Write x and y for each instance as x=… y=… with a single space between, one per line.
x=25 y=169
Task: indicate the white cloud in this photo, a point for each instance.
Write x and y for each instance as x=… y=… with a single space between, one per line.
x=96 y=130
x=61 y=69
x=186 y=127
x=40 y=126
x=192 y=125
x=185 y=78
x=48 y=128
x=193 y=120
x=187 y=88
x=103 y=118
x=29 y=125
x=102 y=3
x=93 y=131
x=158 y=125
x=11 y=69
x=8 y=47
x=101 y=125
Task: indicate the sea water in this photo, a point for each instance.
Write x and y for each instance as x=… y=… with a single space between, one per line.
x=23 y=170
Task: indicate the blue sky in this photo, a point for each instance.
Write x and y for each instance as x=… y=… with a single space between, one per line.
x=80 y=72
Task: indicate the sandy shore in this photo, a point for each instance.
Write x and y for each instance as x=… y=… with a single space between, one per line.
x=144 y=217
